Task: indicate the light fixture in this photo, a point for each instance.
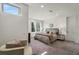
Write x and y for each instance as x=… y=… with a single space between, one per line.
x=42 y=6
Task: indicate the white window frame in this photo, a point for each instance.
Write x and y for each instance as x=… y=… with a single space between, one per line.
x=41 y=25
x=13 y=5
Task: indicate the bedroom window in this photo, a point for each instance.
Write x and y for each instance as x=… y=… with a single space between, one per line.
x=10 y=9
x=37 y=26
x=32 y=27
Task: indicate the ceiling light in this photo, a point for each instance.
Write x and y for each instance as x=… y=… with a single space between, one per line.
x=42 y=6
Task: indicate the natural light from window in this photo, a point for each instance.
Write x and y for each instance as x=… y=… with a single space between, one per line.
x=10 y=9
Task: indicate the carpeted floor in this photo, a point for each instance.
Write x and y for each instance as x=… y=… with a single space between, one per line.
x=56 y=48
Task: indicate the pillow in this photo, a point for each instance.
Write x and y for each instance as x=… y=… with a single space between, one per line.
x=47 y=32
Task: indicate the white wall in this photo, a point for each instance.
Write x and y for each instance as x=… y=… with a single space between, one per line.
x=73 y=28
x=59 y=22
x=13 y=27
x=77 y=29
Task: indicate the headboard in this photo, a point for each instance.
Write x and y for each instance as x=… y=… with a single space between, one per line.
x=54 y=30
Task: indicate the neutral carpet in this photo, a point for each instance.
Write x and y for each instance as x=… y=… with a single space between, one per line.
x=56 y=48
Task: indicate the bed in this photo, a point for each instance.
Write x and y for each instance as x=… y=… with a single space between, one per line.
x=45 y=37
x=51 y=35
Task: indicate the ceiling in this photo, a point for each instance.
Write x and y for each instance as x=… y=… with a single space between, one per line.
x=52 y=10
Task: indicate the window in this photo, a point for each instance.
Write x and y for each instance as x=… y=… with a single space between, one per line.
x=33 y=27
x=11 y=9
x=37 y=26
